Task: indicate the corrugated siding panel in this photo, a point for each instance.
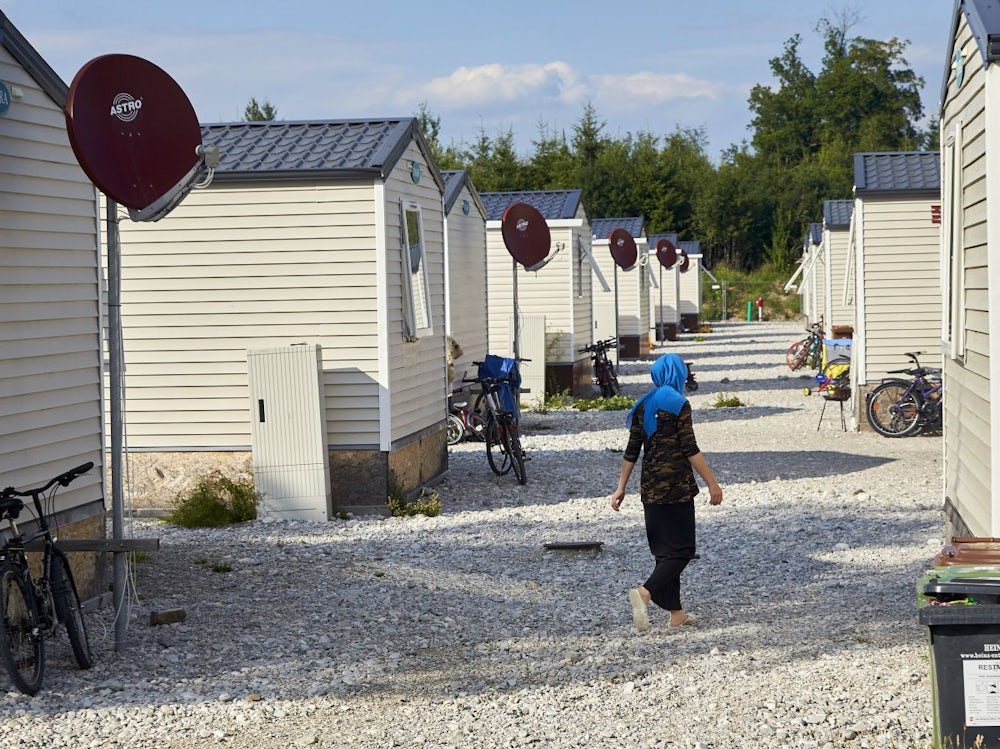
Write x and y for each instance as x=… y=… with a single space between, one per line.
x=582 y=297
x=467 y=283
x=633 y=299
x=50 y=384
x=663 y=299
x=840 y=313
x=417 y=370
x=690 y=288
x=238 y=267
x=902 y=281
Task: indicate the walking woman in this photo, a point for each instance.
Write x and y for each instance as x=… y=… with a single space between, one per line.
x=660 y=428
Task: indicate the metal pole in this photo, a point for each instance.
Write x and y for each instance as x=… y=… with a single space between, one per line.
x=115 y=403
x=517 y=334
x=617 y=339
x=659 y=312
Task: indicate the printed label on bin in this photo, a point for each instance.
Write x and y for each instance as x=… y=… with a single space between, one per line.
x=982 y=692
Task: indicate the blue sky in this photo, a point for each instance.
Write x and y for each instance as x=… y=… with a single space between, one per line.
x=645 y=66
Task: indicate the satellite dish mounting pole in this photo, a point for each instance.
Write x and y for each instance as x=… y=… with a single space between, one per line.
x=517 y=332
x=115 y=403
x=659 y=313
x=617 y=339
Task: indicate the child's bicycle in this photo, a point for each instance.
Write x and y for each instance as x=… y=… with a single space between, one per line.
x=808 y=351
x=32 y=607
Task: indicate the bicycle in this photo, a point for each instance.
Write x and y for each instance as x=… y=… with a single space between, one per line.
x=503 y=439
x=32 y=607
x=901 y=408
x=463 y=421
x=808 y=351
x=690 y=384
x=604 y=370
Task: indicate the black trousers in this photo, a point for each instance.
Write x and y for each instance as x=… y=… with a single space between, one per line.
x=670 y=531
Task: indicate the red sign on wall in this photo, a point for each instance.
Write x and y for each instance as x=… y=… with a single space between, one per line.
x=935 y=214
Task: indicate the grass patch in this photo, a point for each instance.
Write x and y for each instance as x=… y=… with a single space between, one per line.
x=428 y=504
x=216 y=500
x=214 y=566
x=554 y=402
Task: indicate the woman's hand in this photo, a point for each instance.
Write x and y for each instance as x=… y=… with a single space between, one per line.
x=616 y=499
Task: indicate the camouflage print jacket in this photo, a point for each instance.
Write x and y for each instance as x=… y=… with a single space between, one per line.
x=667 y=475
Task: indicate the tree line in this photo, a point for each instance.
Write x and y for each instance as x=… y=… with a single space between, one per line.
x=753 y=207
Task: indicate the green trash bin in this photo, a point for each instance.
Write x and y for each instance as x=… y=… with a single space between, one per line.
x=962 y=615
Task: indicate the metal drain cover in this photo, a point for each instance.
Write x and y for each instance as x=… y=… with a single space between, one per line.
x=574 y=545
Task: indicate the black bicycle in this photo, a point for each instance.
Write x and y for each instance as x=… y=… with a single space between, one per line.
x=32 y=607
x=500 y=428
x=808 y=351
x=604 y=369
x=902 y=408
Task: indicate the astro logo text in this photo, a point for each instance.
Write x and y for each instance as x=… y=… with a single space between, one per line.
x=126 y=107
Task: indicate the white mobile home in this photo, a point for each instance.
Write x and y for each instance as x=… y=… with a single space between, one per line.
x=50 y=325
x=466 y=297
x=664 y=294
x=632 y=324
x=970 y=258
x=838 y=315
x=329 y=234
x=812 y=286
x=559 y=293
x=894 y=257
x=690 y=287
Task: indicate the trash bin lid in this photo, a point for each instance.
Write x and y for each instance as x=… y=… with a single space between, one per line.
x=959 y=615
x=984 y=586
x=969 y=552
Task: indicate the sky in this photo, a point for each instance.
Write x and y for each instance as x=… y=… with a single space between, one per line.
x=479 y=67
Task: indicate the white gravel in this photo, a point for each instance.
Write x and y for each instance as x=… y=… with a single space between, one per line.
x=462 y=631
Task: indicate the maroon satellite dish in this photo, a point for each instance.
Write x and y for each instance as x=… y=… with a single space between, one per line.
x=526 y=235
x=623 y=249
x=685 y=261
x=135 y=134
x=666 y=253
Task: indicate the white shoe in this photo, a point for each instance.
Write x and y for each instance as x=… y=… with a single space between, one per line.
x=639 y=616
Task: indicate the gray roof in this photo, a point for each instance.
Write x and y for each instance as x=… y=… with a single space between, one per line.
x=29 y=59
x=816 y=232
x=601 y=228
x=897 y=172
x=652 y=239
x=552 y=204
x=984 y=22
x=837 y=213
x=454 y=181
x=690 y=246
x=330 y=149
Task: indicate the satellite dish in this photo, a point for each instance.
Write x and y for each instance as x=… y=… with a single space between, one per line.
x=685 y=261
x=623 y=249
x=526 y=235
x=135 y=134
x=666 y=253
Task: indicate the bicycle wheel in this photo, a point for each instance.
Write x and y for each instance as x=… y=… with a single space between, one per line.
x=613 y=380
x=796 y=355
x=455 y=429
x=517 y=455
x=814 y=357
x=475 y=426
x=66 y=603
x=498 y=447
x=892 y=410
x=22 y=650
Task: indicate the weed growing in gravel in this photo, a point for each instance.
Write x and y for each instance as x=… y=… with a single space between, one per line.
x=553 y=401
x=727 y=401
x=216 y=500
x=614 y=403
x=214 y=566
x=425 y=504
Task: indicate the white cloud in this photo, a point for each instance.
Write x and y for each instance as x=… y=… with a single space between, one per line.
x=496 y=84
x=644 y=89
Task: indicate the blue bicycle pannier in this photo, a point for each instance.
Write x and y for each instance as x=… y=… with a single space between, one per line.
x=499 y=366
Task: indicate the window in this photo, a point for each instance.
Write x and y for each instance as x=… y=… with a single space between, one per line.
x=416 y=284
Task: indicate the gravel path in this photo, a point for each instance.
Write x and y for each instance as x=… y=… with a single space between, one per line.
x=462 y=631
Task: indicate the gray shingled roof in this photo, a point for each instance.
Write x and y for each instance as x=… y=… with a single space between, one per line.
x=902 y=171
x=454 y=181
x=652 y=239
x=15 y=43
x=816 y=232
x=837 y=213
x=331 y=149
x=552 y=204
x=690 y=246
x=601 y=228
x=984 y=22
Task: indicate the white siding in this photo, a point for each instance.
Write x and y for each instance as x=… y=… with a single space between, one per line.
x=418 y=369
x=236 y=267
x=633 y=299
x=50 y=384
x=835 y=243
x=467 y=283
x=690 y=287
x=901 y=271
x=967 y=420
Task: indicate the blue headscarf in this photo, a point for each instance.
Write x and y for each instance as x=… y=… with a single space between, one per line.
x=669 y=373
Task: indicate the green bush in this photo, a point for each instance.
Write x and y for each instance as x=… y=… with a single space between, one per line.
x=214 y=501
x=614 y=403
x=425 y=504
x=727 y=401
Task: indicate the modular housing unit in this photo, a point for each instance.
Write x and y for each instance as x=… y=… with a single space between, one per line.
x=627 y=288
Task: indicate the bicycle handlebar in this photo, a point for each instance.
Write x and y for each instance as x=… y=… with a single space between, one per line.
x=64 y=479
